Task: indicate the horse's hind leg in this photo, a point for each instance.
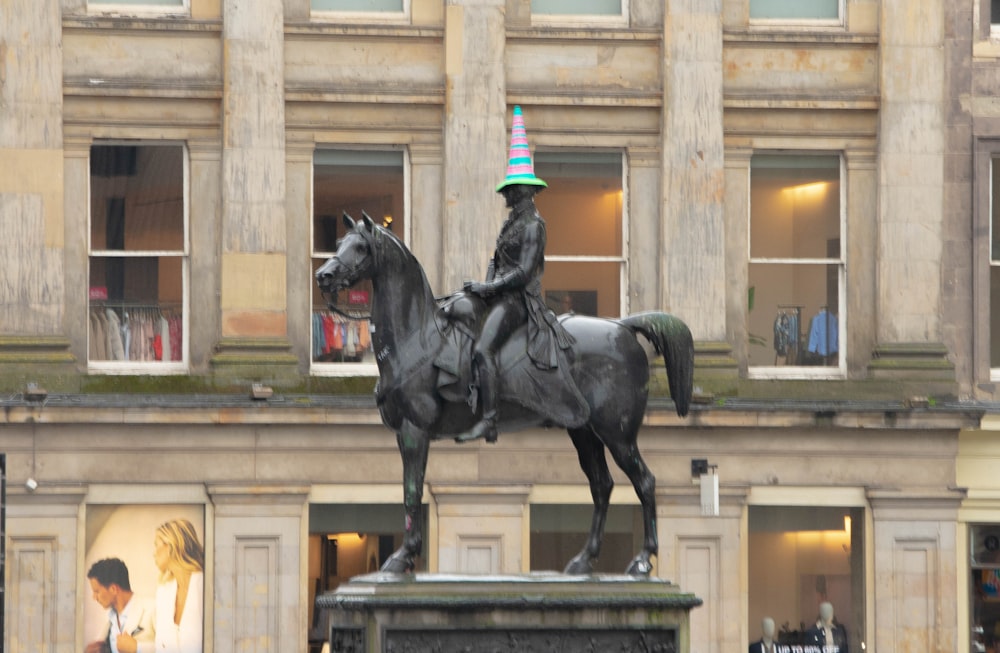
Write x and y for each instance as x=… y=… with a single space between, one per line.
x=413 y=447
x=590 y=451
x=627 y=456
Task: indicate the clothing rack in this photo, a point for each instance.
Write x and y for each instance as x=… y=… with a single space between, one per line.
x=788 y=333
x=136 y=331
x=337 y=338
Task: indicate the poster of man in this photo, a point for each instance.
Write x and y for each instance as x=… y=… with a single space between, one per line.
x=144 y=569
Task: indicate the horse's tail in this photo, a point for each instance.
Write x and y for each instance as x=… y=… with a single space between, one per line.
x=671 y=338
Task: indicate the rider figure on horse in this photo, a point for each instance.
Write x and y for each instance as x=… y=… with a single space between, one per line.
x=512 y=289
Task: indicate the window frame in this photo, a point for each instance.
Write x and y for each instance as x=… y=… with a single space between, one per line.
x=158 y=368
x=622 y=260
x=993 y=196
x=320 y=368
x=839 y=370
x=362 y=17
x=126 y=8
x=802 y=23
x=583 y=20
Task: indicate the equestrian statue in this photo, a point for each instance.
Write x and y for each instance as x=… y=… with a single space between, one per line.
x=492 y=357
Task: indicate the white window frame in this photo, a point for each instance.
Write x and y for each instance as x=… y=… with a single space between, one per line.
x=621 y=260
x=148 y=367
x=126 y=8
x=362 y=17
x=839 y=370
x=802 y=23
x=583 y=20
x=994 y=371
x=319 y=368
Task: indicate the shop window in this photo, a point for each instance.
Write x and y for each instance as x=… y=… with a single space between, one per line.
x=138 y=277
x=559 y=532
x=812 y=11
x=800 y=558
x=347 y=540
x=797 y=269
x=984 y=587
x=352 y=182
x=583 y=212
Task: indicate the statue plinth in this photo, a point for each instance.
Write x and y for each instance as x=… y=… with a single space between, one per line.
x=539 y=612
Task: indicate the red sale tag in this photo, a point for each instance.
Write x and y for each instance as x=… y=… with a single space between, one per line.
x=357 y=296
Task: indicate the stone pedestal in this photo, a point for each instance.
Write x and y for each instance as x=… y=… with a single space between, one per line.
x=540 y=612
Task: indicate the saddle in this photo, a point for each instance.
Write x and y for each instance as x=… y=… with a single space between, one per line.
x=550 y=393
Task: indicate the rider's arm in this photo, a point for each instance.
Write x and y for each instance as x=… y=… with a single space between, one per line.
x=532 y=253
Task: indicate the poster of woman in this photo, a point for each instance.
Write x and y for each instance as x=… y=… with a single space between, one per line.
x=157 y=552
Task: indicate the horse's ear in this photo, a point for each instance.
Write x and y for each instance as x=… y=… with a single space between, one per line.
x=369 y=223
x=349 y=222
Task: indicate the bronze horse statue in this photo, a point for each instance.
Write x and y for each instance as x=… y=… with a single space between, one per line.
x=607 y=362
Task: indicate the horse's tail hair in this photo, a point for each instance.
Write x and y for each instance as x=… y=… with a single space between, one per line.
x=671 y=338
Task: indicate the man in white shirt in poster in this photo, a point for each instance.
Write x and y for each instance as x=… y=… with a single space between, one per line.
x=130 y=620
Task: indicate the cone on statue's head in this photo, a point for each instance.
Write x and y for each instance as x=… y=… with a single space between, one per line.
x=520 y=169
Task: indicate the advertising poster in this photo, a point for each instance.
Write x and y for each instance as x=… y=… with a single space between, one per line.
x=144 y=576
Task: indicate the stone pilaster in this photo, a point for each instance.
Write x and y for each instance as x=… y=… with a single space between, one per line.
x=32 y=268
x=427 y=174
x=911 y=179
x=482 y=529
x=475 y=135
x=693 y=168
x=253 y=266
x=644 y=234
x=258 y=576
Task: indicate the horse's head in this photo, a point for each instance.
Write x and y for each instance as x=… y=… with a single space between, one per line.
x=354 y=259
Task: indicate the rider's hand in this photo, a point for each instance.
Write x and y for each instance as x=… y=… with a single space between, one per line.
x=475 y=288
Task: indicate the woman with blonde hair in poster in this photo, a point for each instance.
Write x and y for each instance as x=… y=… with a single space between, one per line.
x=180 y=558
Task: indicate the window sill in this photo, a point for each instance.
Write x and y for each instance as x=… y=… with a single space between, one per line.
x=344 y=369
x=796 y=372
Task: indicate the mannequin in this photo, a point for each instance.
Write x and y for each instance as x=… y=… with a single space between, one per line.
x=827 y=634
x=767 y=642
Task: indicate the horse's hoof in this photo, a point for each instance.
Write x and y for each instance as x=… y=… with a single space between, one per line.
x=397 y=565
x=579 y=566
x=640 y=566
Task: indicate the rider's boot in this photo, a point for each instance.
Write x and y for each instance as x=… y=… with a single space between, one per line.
x=486 y=427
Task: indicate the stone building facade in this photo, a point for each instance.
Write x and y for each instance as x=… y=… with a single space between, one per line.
x=809 y=185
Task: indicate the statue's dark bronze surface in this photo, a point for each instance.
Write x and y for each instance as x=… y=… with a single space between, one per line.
x=425 y=348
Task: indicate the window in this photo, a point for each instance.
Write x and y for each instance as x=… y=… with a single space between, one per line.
x=139 y=6
x=352 y=182
x=559 y=532
x=984 y=585
x=361 y=10
x=995 y=16
x=799 y=558
x=995 y=269
x=805 y=11
x=347 y=540
x=797 y=271
x=579 y=11
x=583 y=212
x=138 y=275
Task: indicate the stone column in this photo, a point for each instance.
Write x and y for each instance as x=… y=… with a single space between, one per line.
x=259 y=589
x=475 y=135
x=426 y=178
x=32 y=270
x=911 y=191
x=301 y=283
x=693 y=176
x=254 y=342
x=204 y=179
x=643 y=234
x=862 y=266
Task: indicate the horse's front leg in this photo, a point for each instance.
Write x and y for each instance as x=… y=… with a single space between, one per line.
x=413 y=446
